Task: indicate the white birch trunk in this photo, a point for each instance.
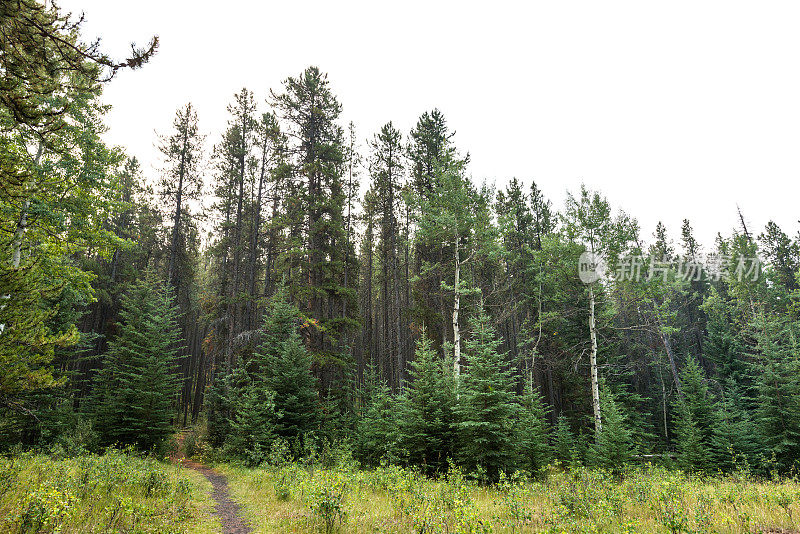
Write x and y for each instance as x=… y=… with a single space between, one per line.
x=598 y=423
x=456 y=307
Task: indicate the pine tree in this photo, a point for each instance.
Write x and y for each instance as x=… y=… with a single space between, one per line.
x=386 y=168
x=310 y=111
x=136 y=389
x=181 y=181
x=426 y=409
x=486 y=409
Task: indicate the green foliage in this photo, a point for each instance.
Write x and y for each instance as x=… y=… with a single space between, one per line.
x=613 y=446
x=694 y=424
x=376 y=434
x=563 y=441
x=115 y=492
x=253 y=425
x=135 y=390
x=532 y=432
x=485 y=411
x=778 y=387
x=286 y=366
x=424 y=432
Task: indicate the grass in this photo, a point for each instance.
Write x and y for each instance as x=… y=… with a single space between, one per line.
x=115 y=492
x=294 y=498
x=120 y=492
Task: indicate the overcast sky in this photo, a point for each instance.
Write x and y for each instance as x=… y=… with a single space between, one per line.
x=673 y=109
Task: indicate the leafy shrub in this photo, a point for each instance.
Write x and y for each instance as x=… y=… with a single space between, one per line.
x=326 y=498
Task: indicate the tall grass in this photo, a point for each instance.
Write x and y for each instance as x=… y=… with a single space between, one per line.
x=391 y=499
x=115 y=492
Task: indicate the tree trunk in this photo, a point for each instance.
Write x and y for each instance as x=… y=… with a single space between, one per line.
x=598 y=424
x=177 y=217
x=456 y=308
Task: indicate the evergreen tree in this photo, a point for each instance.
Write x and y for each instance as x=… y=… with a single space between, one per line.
x=426 y=409
x=310 y=111
x=285 y=366
x=253 y=427
x=486 y=409
x=778 y=386
x=694 y=419
x=376 y=434
x=613 y=446
x=532 y=432
x=734 y=436
x=563 y=441
x=181 y=181
x=136 y=388
x=386 y=168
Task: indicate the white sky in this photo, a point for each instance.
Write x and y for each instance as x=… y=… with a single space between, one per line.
x=672 y=109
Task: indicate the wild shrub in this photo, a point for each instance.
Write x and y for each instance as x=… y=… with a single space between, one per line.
x=326 y=499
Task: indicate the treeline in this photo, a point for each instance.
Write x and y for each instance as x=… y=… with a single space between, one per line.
x=293 y=286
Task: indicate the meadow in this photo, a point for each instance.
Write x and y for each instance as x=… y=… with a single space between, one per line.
x=113 y=492
x=122 y=492
x=296 y=498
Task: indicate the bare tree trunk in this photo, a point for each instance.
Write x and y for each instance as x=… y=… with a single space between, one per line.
x=456 y=308
x=22 y=223
x=598 y=423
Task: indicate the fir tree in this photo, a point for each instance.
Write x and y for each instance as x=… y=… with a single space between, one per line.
x=486 y=408
x=136 y=388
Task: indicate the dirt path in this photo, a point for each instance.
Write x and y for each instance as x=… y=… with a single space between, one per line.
x=226 y=509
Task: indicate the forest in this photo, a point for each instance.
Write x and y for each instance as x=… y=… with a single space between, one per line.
x=292 y=291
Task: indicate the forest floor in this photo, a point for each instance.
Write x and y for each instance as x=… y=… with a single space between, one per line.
x=226 y=509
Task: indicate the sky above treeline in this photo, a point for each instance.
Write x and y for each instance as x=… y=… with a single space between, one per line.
x=674 y=110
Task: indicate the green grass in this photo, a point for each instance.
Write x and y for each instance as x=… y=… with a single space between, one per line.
x=651 y=499
x=115 y=492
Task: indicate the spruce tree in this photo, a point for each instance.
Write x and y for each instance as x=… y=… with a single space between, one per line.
x=734 y=436
x=532 y=431
x=694 y=419
x=778 y=386
x=486 y=409
x=426 y=409
x=136 y=389
x=253 y=427
x=285 y=366
x=563 y=441
x=376 y=434
x=613 y=446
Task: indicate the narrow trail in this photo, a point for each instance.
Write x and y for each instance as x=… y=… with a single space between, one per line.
x=226 y=509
